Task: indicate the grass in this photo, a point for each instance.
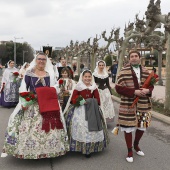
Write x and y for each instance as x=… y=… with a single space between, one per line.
x=157 y=105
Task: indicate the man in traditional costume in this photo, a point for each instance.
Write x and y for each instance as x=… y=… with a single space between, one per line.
x=137 y=118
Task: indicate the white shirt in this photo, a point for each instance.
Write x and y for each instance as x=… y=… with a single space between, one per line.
x=137 y=72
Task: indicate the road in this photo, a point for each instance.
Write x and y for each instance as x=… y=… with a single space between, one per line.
x=155 y=144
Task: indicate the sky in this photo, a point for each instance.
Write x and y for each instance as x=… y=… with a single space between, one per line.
x=56 y=22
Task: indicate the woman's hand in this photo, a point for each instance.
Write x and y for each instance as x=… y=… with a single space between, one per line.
x=112 y=97
x=66 y=91
x=24 y=108
x=62 y=89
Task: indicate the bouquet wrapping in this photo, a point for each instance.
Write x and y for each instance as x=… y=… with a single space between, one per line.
x=15 y=74
x=27 y=98
x=78 y=101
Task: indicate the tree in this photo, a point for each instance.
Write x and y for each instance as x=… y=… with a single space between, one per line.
x=7 y=52
x=2 y=52
x=109 y=59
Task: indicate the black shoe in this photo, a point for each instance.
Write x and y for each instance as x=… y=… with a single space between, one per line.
x=88 y=155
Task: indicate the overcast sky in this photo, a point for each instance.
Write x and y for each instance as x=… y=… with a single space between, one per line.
x=56 y=22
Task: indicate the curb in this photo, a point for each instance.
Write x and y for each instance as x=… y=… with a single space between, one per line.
x=156 y=115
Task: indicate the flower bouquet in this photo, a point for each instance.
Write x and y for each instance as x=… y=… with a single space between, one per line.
x=150 y=81
x=62 y=83
x=78 y=101
x=27 y=98
x=15 y=74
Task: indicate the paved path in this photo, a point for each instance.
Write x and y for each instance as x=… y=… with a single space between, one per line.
x=155 y=144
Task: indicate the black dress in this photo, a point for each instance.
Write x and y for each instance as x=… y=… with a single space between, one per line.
x=103 y=83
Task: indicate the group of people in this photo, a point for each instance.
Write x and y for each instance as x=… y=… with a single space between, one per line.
x=62 y=115
x=55 y=114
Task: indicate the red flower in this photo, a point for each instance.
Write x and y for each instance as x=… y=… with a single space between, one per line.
x=61 y=81
x=74 y=101
x=155 y=75
x=23 y=94
x=32 y=96
x=15 y=73
x=27 y=99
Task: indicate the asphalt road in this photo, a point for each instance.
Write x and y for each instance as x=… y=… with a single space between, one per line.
x=155 y=144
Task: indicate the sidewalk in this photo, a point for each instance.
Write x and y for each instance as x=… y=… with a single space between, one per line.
x=159 y=94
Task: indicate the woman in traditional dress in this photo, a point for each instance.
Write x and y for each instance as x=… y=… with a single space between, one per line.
x=85 y=122
x=10 y=83
x=101 y=78
x=66 y=85
x=34 y=131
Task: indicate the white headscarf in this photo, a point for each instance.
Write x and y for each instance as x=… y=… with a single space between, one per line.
x=96 y=70
x=81 y=86
x=23 y=68
x=8 y=64
x=48 y=68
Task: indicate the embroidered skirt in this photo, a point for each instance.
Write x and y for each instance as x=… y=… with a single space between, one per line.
x=25 y=138
x=81 y=140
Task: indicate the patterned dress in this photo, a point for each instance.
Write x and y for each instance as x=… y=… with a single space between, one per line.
x=81 y=140
x=25 y=138
x=9 y=96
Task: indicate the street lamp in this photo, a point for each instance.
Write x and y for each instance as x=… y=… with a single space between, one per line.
x=15 y=48
x=23 y=55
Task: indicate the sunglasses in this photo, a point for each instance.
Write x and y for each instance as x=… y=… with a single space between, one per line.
x=41 y=59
